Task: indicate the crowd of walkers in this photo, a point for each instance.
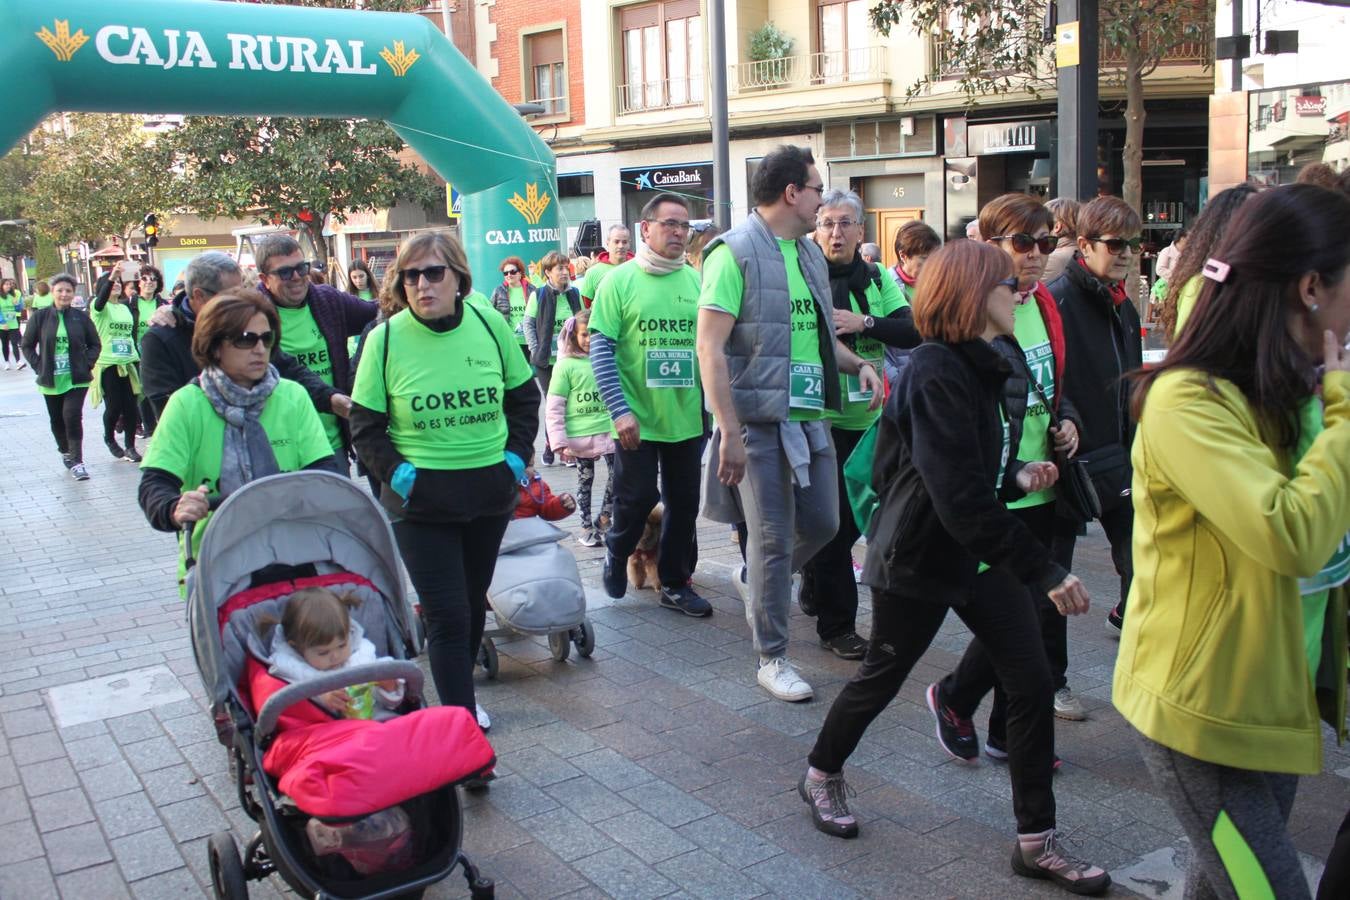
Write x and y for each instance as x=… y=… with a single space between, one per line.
x=968 y=412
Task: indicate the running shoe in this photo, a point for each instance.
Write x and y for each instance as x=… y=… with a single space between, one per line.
x=1044 y=856
x=955 y=733
x=994 y=749
x=778 y=677
x=23 y=364
x=67 y=460
x=114 y=448
x=846 y=646
x=1116 y=617
x=1067 y=706
x=548 y=458
x=686 y=600
x=615 y=575
x=829 y=804
x=484 y=720
x=79 y=472
x=589 y=537
x=131 y=456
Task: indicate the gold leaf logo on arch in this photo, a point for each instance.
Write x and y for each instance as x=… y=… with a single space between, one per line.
x=532 y=205
x=62 y=43
x=399 y=60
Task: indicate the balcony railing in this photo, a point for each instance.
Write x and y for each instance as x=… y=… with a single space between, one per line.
x=664 y=94
x=834 y=67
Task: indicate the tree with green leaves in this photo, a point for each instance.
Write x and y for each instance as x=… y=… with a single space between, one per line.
x=96 y=177
x=997 y=47
x=17 y=169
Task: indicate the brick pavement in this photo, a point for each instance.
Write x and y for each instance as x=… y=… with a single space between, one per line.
x=657 y=768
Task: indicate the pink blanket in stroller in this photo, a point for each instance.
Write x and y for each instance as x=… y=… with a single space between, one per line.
x=334 y=768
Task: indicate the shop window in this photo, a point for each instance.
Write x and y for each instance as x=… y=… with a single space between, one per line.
x=845 y=41
x=662 y=55
x=546 y=64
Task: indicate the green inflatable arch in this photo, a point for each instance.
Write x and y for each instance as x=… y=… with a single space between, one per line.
x=206 y=57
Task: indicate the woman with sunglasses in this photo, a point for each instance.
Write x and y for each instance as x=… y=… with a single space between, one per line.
x=512 y=296
x=555 y=301
x=946 y=463
x=117 y=379
x=235 y=422
x=149 y=298
x=1019 y=225
x=444 y=414
x=1101 y=327
x=1235 y=641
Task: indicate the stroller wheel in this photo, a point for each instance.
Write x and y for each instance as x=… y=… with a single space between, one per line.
x=560 y=644
x=487 y=658
x=227 y=871
x=584 y=638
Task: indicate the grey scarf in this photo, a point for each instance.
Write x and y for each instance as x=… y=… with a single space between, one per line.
x=246 y=453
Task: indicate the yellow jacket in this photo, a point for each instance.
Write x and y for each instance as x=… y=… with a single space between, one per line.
x=1211 y=658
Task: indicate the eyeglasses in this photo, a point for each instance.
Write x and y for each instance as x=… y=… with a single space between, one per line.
x=1117 y=245
x=249 y=339
x=286 y=273
x=433 y=274
x=1023 y=242
x=827 y=225
x=1010 y=283
x=510 y=271
x=818 y=188
x=681 y=226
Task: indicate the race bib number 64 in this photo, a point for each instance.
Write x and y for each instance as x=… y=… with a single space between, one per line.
x=670 y=368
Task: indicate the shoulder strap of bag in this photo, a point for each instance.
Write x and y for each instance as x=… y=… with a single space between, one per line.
x=501 y=359
x=384 y=368
x=1040 y=391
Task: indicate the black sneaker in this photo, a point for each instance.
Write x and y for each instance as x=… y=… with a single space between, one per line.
x=994 y=749
x=846 y=646
x=1115 y=618
x=955 y=734
x=548 y=458
x=806 y=598
x=615 y=575
x=114 y=448
x=479 y=782
x=131 y=456
x=829 y=805
x=686 y=600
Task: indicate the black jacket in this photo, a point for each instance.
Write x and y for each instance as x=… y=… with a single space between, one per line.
x=939 y=444
x=167 y=363
x=546 y=311
x=1102 y=344
x=39 y=344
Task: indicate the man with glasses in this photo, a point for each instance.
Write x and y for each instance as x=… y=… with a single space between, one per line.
x=316 y=320
x=643 y=326
x=618 y=250
x=1101 y=331
x=166 y=349
x=770 y=364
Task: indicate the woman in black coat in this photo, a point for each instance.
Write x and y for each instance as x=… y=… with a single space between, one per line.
x=62 y=345
x=945 y=465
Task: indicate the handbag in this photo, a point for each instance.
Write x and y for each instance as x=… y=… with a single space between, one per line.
x=1077 y=493
x=862 y=497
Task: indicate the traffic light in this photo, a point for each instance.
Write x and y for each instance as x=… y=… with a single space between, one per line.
x=150 y=227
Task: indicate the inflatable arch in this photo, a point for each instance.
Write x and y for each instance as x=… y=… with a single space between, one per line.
x=205 y=57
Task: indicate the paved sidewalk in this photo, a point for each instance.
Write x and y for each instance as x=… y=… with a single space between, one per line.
x=657 y=768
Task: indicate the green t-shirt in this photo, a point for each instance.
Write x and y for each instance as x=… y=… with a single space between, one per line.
x=562 y=311
x=145 y=308
x=40 y=302
x=587 y=414
x=855 y=416
x=516 y=297
x=301 y=337
x=723 y=285
x=114 y=324
x=445 y=389
x=653 y=323
x=10 y=307
x=61 y=356
x=594 y=276
x=355 y=340
x=1029 y=329
x=189 y=436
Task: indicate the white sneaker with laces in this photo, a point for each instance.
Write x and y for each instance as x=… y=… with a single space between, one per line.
x=1067 y=706
x=778 y=677
x=484 y=720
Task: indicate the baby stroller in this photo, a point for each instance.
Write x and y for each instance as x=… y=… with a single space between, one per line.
x=536 y=590
x=301 y=774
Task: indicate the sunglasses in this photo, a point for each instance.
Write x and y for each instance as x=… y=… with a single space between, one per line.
x=286 y=273
x=510 y=271
x=1117 y=245
x=1023 y=242
x=433 y=274
x=1010 y=283
x=249 y=339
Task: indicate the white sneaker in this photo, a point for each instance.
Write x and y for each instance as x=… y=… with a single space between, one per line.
x=6 y=365
x=22 y=364
x=484 y=720
x=1067 y=706
x=742 y=581
x=779 y=678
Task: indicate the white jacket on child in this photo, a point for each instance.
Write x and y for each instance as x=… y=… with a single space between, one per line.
x=290 y=666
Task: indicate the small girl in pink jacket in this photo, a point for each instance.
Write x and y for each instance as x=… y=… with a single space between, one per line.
x=578 y=422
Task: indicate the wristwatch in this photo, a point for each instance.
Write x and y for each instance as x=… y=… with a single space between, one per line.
x=868 y=322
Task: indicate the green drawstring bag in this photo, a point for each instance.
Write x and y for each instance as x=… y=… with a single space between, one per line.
x=862 y=499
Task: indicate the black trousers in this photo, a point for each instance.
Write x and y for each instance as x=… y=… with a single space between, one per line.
x=66 y=414
x=9 y=337
x=119 y=401
x=1118 y=523
x=451 y=567
x=1336 y=876
x=678 y=465
x=827 y=579
x=1000 y=613
x=974 y=676
x=543 y=375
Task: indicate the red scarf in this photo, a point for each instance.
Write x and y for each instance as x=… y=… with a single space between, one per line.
x=1117 y=290
x=904 y=279
x=1054 y=327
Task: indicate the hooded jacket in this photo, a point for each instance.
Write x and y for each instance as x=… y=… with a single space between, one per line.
x=39 y=344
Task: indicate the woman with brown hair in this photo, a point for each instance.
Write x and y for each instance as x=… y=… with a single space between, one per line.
x=946 y=462
x=512 y=297
x=553 y=303
x=235 y=422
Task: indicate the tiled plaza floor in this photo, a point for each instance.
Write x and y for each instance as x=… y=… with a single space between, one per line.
x=657 y=768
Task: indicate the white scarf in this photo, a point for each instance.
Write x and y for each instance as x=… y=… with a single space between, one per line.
x=653 y=263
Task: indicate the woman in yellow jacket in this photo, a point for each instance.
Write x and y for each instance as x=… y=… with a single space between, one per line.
x=1242 y=505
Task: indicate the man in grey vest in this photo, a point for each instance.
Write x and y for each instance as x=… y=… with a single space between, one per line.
x=770 y=364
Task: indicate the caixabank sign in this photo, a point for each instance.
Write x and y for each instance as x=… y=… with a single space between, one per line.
x=191 y=57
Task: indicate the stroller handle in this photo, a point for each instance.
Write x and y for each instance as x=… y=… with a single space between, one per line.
x=290 y=695
x=187 y=528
